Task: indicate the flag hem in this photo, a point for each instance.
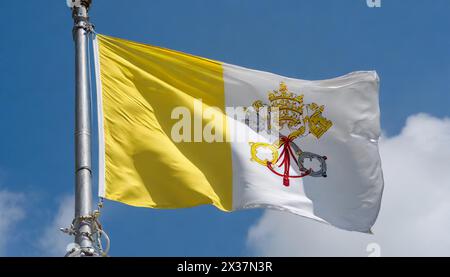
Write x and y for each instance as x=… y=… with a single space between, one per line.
x=101 y=139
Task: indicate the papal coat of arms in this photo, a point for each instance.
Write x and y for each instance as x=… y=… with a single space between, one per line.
x=300 y=120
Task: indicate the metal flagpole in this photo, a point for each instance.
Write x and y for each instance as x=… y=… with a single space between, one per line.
x=84 y=221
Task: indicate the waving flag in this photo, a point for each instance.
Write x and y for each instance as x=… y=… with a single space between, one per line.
x=178 y=131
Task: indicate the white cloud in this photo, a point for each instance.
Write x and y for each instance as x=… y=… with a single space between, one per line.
x=11 y=212
x=415 y=213
x=53 y=242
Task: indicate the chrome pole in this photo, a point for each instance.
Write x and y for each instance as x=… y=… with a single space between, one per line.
x=83 y=223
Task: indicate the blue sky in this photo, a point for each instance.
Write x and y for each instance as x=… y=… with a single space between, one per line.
x=407 y=42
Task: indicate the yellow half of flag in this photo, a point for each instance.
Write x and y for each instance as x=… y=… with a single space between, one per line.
x=141 y=85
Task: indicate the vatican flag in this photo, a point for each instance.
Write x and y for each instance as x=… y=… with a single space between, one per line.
x=177 y=130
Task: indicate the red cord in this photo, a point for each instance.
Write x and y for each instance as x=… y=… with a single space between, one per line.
x=286 y=154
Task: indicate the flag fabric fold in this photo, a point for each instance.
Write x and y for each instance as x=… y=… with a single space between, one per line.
x=177 y=130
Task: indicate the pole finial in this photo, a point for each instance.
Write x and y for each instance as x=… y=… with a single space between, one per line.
x=86 y=3
x=79 y=3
